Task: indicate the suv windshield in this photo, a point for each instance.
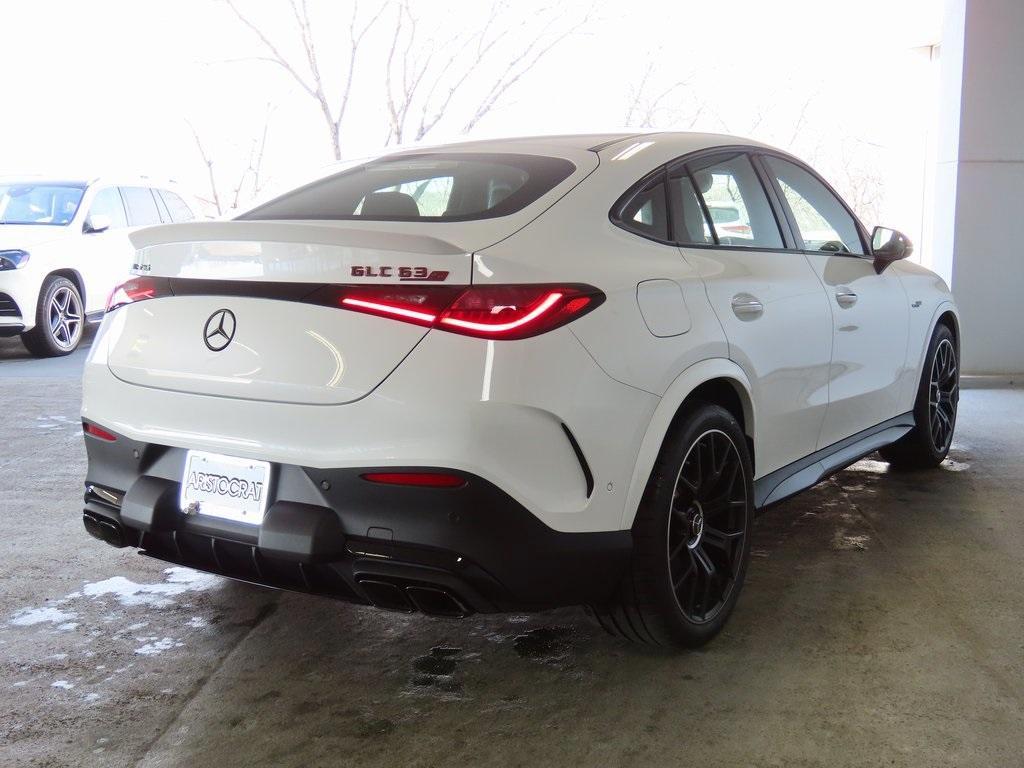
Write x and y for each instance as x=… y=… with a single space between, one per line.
x=52 y=204
x=424 y=187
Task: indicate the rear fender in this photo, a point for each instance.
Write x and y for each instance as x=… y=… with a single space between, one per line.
x=671 y=401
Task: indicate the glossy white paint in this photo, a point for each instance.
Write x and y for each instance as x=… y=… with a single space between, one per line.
x=328 y=362
x=290 y=252
x=869 y=313
x=785 y=350
x=392 y=394
x=453 y=402
x=663 y=308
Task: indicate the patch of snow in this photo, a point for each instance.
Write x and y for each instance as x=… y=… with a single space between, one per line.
x=28 y=617
x=68 y=626
x=158 y=646
x=198 y=622
x=130 y=593
x=64 y=684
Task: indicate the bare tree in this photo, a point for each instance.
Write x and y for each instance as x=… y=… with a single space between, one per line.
x=643 y=107
x=250 y=180
x=308 y=74
x=665 y=107
x=421 y=87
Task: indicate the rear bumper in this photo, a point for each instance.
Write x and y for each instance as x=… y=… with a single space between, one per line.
x=328 y=531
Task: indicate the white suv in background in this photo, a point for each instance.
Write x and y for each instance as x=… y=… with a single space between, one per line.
x=63 y=248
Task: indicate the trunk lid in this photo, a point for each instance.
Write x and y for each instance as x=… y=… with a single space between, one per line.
x=278 y=347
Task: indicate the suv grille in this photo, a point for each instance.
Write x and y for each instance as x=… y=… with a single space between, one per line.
x=7 y=307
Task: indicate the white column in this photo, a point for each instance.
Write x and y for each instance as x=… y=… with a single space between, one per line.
x=979 y=179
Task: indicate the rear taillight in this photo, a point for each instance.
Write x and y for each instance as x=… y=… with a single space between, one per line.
x=137 y=289
x=484 y=311
x=98 y=432
x=420 y=479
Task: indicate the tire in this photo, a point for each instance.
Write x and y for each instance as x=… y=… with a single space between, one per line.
x=701 y=484
x=60 y=318
x=938 y=394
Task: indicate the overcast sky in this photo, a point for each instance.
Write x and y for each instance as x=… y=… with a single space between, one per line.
x=107 y=86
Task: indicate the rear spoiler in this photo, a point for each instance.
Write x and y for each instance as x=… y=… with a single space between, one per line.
x=291 y=232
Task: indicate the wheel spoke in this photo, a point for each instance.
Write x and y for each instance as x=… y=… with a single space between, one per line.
x=707 y=525
x=721 y=539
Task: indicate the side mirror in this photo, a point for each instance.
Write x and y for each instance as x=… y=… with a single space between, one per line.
x=887 y=246
x=97 y=222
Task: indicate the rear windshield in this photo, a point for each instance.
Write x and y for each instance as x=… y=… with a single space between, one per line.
x=423 y=187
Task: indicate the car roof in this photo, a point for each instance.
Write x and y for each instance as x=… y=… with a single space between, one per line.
x=684 y=141
x=122 y=181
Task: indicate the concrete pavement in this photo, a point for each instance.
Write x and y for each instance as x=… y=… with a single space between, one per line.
x=880 y=625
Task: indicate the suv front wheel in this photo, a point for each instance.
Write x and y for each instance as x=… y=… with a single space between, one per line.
x=60 y=318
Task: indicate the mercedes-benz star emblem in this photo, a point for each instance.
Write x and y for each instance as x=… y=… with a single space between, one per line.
x=219 y=330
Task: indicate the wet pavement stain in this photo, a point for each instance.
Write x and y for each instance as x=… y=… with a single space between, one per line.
x=546 y=644
x=435 y=670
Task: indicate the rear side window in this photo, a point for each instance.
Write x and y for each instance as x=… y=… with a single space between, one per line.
x=646 y=212
x=735 y=200
x=142 y=209
x=688 y=222
x=178 y=208
x=424 y=187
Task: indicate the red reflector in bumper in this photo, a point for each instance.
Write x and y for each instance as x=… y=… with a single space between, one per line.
x=102 y=434
x=421 y=479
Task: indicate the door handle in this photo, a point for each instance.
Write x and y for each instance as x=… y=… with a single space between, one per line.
x=845 y=297
x=747 y=307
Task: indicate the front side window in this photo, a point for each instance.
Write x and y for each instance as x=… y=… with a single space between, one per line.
x=48 y=204
x=142 y=210
x=824 y=223
x=735 y=200
x=108 y=203
x=424 y=187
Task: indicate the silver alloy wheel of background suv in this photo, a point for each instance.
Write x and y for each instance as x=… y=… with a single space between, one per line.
x=65 y=317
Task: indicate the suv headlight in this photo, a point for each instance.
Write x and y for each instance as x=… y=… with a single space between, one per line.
x=13 y=260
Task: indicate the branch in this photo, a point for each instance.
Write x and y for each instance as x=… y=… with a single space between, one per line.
x=209 y=167
x=517 y=68
x=276 y=56
x=355 y=40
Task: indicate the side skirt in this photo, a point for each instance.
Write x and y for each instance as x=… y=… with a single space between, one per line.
x=810 y=470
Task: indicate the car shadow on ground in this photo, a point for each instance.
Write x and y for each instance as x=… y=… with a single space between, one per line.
x=12 y=350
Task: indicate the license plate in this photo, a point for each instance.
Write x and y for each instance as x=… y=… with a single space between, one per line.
x=225 y=487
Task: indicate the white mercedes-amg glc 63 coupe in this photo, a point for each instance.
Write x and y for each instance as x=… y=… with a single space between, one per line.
x=512 y=375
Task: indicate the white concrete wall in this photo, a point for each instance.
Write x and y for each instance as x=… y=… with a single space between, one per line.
x=979 y=179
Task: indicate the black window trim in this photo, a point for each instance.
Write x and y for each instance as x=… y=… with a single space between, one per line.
x=783 y=216
x=658 y=176
x=735 y=150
